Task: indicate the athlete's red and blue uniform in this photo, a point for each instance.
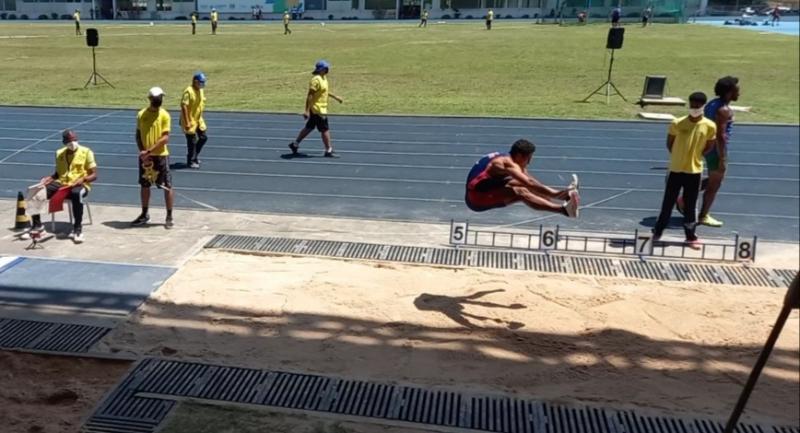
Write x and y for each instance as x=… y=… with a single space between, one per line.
x=484 y=191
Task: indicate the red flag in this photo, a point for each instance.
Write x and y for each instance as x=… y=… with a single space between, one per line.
x=57 y=200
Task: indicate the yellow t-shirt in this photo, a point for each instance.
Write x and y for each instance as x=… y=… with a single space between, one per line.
x=151 y=126
x=286 y=18
x=71 y=167
x=490 y=15
x=690 y=141
x=77 y=17
x=195 y=100
x=319 y=102
x=194 y=19
x=214 y=16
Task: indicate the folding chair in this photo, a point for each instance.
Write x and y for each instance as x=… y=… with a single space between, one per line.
x=68 y=205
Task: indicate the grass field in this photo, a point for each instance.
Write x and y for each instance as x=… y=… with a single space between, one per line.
x=517 y=69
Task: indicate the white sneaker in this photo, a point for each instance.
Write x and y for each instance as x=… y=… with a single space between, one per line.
x=77 y=237
x=574 y=184
x=572 y=205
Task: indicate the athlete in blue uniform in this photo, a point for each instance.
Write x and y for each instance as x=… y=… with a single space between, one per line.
x=500 y=179
x=720 y=112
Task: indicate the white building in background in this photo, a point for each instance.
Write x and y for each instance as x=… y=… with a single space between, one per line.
x=316 y=9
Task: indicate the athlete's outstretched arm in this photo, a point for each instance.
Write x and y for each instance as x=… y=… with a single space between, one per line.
x=509 y=168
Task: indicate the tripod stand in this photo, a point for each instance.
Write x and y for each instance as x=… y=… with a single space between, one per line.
x=95 y=74
x=608 y=84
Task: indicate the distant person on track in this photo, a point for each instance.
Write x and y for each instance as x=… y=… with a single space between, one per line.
x=194 y=23
x=286 y=19
x=616 y=14
x=776 y=16
x=688 y=139
x=214 y=21
x=489 y=19
x=77 y=17
x=718 y=111
x=193 y=104
x=647 y=13
x=316 y=109
x=423 y=18
x=500 y=179
x=76 y=169
x=152 y=137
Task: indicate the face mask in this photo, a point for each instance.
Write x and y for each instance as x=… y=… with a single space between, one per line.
x=72 y=145
x=695 y=112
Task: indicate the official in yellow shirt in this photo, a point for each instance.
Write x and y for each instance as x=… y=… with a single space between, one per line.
x=194 y=23
x=193 y=103
x=689 y=138
x=152 y=137
x=77 y=17
x=286 y=19
x=76 y=169
x=316 y=110
x=489 y=19
x=423 y=18
x=214 y=21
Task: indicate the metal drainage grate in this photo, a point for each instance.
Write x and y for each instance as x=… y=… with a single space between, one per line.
x=127 y=410
x=528 y=261
x=55 y=337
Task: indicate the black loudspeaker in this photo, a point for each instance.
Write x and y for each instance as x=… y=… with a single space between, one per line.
x=93 y=38
x=615 y=37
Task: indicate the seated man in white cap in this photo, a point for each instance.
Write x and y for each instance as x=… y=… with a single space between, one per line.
x=76 y=169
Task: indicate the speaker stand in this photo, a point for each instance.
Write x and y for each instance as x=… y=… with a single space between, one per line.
x=95 y=74
x=608 y=84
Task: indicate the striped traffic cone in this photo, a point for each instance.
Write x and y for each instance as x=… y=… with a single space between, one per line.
x=22 y=221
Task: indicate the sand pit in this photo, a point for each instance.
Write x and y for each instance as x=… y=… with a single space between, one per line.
x=52 y=394
x=682 y=348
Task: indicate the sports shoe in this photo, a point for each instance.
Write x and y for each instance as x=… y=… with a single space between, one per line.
x=694 y=244
x=574 y=184
x=37 y=228
x=140 y=220
x=680 y=205
x=77 y=236
x=194 y=165
x=331 y=155
x=294 y=147
x=710 y=221
x=169 y=223
x=572 y=205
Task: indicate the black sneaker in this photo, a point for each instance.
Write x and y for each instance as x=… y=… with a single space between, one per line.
x=294 y=147
x=140 y=220
x=169 y=223
x=331 y=155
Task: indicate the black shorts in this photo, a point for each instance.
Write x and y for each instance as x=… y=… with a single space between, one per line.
x=156 y=174
x=317 y=121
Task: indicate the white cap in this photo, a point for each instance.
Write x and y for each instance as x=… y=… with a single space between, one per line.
x=155 y=92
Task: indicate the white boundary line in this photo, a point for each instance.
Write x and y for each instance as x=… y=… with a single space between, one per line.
x=426 y=200
x=470 y=155
x=460 y=169
x=55 y=134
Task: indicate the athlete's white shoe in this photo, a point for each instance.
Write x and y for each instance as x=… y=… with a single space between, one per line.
x=574 y=184
x=572 y=205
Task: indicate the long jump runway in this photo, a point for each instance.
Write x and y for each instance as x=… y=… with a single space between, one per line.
x=414 y=168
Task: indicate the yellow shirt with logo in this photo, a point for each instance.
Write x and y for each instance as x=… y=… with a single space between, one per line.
x=77 y=17
x=319 y=100
x=690 y=141
x=195 y=101
x=286 y=19
x=151 y=125
x=214 y=16
x=71 y=166
x=490 y=15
